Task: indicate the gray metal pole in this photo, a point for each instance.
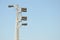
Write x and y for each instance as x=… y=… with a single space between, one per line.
x=18 y=21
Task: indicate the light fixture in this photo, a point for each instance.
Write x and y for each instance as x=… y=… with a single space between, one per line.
x=24 y=24
x=24 y=9
x=24 y=18
x=10 y=6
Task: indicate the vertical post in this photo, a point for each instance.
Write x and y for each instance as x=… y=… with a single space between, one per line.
x=17 y=29
x=18 y=21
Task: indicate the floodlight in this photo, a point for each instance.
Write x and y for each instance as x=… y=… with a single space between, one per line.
x=24 y=18
x=24 y=24
x=10 y=6
x=24 y=9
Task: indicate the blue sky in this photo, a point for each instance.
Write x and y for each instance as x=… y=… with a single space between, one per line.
x=43 y=20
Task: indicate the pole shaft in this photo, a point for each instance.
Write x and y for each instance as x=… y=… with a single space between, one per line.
x=17 y=24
